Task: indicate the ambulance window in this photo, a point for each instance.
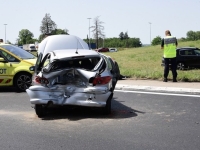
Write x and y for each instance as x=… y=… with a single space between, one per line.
x=9 y=57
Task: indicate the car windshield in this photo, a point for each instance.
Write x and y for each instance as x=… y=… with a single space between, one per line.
x=18 y=51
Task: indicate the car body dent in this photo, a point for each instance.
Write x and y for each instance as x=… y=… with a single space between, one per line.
x=69 y=95
x=70 y=87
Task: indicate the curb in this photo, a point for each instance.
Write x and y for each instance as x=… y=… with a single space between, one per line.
x=156 y=89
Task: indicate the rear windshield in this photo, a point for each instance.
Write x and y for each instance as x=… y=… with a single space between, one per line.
x=18 y=51
x=84 y=63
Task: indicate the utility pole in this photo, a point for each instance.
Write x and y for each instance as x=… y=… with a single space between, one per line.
x=150 y=32
x=89 y=32
x=5 y=33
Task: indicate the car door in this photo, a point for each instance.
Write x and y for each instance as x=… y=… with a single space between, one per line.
x=186 y=57
x=6 y=68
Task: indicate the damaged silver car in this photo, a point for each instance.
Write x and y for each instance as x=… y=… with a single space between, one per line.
x=72 y=77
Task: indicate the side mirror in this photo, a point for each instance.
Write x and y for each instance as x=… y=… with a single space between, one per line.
x=32 y=68
x=2 y=60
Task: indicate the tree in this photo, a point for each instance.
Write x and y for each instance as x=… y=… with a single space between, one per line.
x=97 y=30
x=197 y=35
x=121 y=35
x=126 y=35
x=59 y=31
x=8 y=42
x=156 y=41
x=25 y=37
x=54 y=32
x=48 y=25
x=191 y=35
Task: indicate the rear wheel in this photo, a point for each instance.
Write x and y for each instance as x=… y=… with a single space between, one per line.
x=23 y=81
x=39 y=110
x=180 y=66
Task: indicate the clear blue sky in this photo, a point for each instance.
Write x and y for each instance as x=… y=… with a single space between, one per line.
x=132 y=16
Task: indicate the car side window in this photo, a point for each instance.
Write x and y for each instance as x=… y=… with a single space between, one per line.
x=9 y=57
x=197 y=52
x=108 y=63
x=187 y=52
x=182 y=52
x=46 y=62
x=0 y=55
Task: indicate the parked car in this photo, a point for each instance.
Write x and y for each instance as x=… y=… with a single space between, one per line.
x=187 y=57
x=14 y=67
x=79 y=77
x=112 y=50
x=104 y=49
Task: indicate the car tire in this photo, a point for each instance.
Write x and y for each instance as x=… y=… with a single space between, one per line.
x=107 y=108
x=114 y=82
x=39 y=110
x=22 y=81
x=180 y=66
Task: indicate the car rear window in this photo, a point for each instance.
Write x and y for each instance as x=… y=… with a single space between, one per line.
x=84 y=63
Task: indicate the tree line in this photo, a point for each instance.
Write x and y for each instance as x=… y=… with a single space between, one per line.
x=49 y=26
x=190 y=36
x=122 y=41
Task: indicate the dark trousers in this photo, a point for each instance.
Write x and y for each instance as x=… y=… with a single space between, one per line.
x=171 y=61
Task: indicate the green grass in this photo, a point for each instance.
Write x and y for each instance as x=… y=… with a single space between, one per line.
x=145 y=63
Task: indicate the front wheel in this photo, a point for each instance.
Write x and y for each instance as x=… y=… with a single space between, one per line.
x=23 y=81
x=107 y=108
x=180 y=66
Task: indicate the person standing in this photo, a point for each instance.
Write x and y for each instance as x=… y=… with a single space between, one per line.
x=169 y=44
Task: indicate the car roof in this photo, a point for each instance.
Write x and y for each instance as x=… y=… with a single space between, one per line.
x=61 y=42
x=186 y=48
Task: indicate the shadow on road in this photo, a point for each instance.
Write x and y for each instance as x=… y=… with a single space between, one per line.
x=119 y=110
x=8 y=89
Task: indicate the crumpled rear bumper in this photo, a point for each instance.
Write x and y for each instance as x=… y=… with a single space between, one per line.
x=69 y=95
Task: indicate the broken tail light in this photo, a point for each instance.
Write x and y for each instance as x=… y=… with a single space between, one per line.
x=100 y=80
x=41 y=80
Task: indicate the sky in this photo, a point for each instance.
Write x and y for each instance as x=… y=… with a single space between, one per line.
x=144 y=19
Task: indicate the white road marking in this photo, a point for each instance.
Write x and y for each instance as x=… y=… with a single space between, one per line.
x=157 y=93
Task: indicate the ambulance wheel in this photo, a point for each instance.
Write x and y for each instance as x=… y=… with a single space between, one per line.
x=22 y=81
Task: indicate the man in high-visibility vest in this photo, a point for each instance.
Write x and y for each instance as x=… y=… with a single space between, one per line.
x=169 y=44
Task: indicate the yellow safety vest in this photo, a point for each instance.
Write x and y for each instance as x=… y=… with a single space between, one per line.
x=169 y=47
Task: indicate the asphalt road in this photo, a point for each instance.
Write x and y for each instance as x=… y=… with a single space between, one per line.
x=140 y=121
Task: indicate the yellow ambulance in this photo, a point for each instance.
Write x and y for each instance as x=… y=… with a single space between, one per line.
x=14 y=67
